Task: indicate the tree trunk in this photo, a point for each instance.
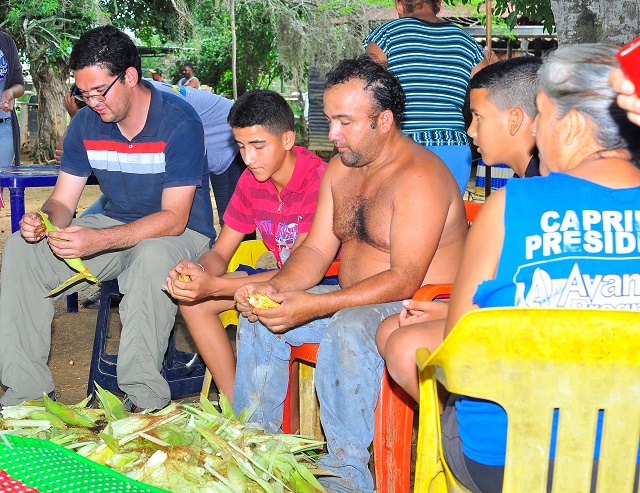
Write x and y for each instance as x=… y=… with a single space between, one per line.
x=234 y=50
x=50 y=86
x=596 y=21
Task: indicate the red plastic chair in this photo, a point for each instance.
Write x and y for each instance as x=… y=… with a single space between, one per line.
x=471 y=209
x=393 y=415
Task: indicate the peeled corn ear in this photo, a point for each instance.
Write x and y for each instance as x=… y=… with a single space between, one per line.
x=261 y=301
x=183 y=277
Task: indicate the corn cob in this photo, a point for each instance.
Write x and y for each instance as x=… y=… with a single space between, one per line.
x=75 y=263
x=46 y=415
x=261 y=301
x=186 y=449
x=65 y=413
x=183 y=277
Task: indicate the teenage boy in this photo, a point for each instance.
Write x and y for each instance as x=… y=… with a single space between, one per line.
x=503 y=107
x=277 y=194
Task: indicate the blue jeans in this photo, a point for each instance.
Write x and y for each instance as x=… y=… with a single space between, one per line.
x=97 y=207
x=6 y=143
x=348 y=378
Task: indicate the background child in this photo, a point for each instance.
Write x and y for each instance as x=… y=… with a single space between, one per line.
x=503 y=107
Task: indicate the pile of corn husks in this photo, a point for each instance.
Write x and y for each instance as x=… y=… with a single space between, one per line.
x=182 y=448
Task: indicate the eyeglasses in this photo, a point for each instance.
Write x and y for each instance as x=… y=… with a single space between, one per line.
x=97 y=98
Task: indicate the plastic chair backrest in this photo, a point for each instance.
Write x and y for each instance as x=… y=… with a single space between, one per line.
x=471 y=210
x=532 y=361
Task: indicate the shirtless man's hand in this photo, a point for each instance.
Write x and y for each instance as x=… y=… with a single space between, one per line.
x=242 y=297
x=296 y=307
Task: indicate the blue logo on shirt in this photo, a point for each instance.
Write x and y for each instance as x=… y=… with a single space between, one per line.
x=4 y=66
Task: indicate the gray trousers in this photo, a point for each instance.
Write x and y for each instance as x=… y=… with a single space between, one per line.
x=147 y=313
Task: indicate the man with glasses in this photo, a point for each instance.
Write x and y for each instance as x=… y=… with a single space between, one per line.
x=147 y=150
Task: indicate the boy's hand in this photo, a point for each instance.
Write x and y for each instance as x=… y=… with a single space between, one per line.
x=421 y=311
x=490 y=56
x=188 y=282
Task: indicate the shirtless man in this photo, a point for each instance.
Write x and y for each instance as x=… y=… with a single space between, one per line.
x=397 y=212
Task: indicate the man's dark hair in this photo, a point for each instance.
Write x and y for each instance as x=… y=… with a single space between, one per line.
x=411 y=5
x=383 y=85
x=262 y=107
x=107 y=47
x=188 y=64
x=511 y=83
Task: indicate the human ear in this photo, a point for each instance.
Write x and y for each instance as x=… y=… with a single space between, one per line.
x=574 y=126
x=385 y=120
x=289 y=139
x=131 y=76
x=516 y=119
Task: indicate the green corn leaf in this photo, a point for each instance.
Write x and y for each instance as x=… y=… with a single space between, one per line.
x=226 y=407
x=112 y=405
x=75 y=263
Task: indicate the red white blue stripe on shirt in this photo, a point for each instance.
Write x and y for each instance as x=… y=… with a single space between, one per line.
x=135 y=158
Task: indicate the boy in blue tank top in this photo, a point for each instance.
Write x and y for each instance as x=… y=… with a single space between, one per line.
x=503 y=106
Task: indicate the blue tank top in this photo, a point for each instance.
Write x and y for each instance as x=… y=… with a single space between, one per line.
x=568 y=243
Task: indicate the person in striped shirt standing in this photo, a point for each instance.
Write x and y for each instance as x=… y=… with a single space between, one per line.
x=277 y=195
x=434 y=60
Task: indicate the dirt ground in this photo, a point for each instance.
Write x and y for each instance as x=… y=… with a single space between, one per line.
x=73 y=333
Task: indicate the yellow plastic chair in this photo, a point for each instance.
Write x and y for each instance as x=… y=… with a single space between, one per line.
x=532 y=361
x=248 y=253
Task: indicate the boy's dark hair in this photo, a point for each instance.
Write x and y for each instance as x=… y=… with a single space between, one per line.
x=511 y=83
x=383 y=85
x=107 y=47
x=262 y=107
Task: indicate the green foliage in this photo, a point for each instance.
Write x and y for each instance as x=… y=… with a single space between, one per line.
x=167 y=19
x=539 y=12
x=318 y=31
x=257 y=60
x=46 y=29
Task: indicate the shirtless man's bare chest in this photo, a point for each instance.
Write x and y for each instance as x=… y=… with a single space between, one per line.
x=362 y=212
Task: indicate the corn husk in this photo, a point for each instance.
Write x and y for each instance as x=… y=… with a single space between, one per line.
x=185 y=448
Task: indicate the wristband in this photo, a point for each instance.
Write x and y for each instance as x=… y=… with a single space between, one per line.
x=201 y=266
